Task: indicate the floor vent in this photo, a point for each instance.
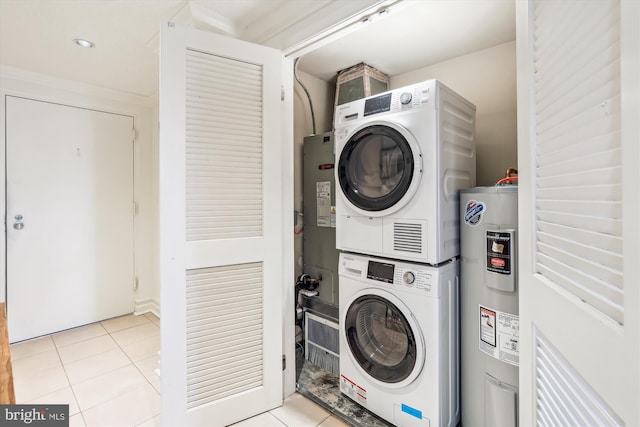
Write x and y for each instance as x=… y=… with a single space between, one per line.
x=407 y=237
x=322 y=342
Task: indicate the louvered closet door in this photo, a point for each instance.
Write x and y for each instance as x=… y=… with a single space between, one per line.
x=578 y=107
x=221 y=230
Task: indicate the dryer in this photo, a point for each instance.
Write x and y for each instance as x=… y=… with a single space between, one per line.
x=399 y=339
x=401 y=158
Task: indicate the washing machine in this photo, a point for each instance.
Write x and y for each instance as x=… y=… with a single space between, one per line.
x=401 y=158
x=399 y=339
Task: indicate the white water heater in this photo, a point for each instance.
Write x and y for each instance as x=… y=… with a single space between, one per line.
x=489 y=315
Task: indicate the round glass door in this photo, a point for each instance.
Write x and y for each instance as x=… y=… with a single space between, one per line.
x=382 y=339
x=376 y=168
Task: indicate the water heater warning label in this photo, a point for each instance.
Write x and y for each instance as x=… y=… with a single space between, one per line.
x=499 y=335
x=499 y=250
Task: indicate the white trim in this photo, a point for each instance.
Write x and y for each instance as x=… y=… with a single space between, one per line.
x=147 y=305
x=8 y=72
x=288 y=264
x=526 y=125
x=630 y=134
x=172 y=245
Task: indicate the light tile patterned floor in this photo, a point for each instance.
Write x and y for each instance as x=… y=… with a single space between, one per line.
x=96 y=369
x=106 y=373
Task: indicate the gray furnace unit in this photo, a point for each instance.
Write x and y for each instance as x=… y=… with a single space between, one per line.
x=489 y=314
x=319 y=238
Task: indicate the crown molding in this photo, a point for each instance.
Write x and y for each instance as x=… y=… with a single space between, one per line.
x=8 y=73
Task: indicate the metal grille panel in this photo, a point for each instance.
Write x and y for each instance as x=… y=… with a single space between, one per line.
x=407 y=237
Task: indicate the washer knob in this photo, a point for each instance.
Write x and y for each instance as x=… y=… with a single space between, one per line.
x=405 y=98
x=409 y=277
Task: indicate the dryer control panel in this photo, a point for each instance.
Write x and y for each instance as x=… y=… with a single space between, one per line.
x=417 y=96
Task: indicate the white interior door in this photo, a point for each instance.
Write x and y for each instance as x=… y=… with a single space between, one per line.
x=221 y=228
x=69 y=216
x=579 y=197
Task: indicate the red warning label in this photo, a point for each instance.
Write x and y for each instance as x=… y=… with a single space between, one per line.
x=499 y=251
x=499 y=335
x=353 y=390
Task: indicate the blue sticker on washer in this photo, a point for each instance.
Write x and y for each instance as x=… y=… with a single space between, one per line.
x=473 y=212
x=412 y=411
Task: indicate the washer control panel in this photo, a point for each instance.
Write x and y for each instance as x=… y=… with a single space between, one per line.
x=413 y=278
x=409 y=277
x=399 y=274
x=389 y=274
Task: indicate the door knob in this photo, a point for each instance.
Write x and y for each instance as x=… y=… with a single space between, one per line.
x=18 y=225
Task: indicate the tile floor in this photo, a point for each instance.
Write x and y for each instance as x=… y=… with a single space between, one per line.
x=106 y=372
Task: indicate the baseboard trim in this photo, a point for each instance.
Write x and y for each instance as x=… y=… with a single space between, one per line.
x=147 y=305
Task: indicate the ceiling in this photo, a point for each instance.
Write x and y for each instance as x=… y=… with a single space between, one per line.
x=397 y=37
x=418 y=34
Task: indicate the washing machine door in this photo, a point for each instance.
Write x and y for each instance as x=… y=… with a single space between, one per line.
x=379 y=168
x=384 y=339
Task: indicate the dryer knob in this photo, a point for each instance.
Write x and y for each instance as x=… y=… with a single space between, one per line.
x=405 y=98
x=409 y=277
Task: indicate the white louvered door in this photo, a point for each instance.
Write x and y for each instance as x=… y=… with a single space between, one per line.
x=579 y=198
x=221 y=184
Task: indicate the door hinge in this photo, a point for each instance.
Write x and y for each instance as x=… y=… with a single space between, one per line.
x=136 y=283
x=134 y=135
x=136 y=209
x=284 y=362
x=281 y=93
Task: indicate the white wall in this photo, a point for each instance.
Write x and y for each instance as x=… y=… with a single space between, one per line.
x=322 y=96
x=45 y=88
x=148 y=220
x=487 y=78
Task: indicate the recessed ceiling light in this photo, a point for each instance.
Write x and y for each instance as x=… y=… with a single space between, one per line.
x=84 y=43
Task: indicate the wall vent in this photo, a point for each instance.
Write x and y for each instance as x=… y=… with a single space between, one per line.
x=407 y=237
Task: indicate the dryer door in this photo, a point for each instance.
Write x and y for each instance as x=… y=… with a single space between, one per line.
x=383 y=337
x=379 y=168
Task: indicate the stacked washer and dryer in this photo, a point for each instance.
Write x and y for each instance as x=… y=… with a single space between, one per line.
x=401 y=159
